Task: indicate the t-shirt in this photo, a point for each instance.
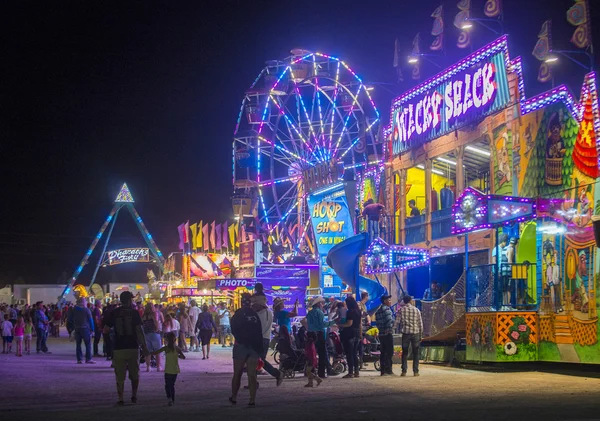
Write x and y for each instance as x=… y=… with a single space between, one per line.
x=354 y=330
x=266 y=322
x=224 y=317
x=194 y=313
x=171 y=361
x=372 y=211
x=7 y=328
x=124 y=320
x=283 y=320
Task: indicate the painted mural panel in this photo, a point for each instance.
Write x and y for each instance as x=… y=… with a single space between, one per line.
x=503 y=160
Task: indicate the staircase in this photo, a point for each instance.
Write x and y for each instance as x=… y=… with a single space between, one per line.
x=562 y=329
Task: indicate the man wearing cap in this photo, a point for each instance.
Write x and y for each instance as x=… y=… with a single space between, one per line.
x=129 y=336
x=317 y=324
x=385 y=323
x=410 y=324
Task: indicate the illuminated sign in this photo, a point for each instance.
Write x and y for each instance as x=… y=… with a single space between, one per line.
x=473 y=88
x=332 y=223
x=322 y=174
x=129 y=255
x=235 y=283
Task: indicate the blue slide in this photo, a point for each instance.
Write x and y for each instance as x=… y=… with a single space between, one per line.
x=342 y=258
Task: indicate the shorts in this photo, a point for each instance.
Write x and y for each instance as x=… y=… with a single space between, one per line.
x=225 y=330
x=28 y=336
x=125 y=360
x=153 y=341
x=7 y=339
x=243 y=352
x=18 y=338
x=205 y=336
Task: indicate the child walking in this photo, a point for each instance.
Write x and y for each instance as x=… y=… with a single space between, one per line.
x=28 y=331
x=311 y=359
x=19 y=333
x=7 y=335
x=172 y=353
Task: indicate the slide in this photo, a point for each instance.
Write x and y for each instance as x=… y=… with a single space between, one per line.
x=342 y=258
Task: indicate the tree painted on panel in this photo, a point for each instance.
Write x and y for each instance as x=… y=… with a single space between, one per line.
x=534 y=183
x=585 y=155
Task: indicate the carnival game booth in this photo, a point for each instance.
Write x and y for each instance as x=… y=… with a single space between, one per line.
x=508 y=183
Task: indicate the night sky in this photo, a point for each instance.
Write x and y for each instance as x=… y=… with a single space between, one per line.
x=97 y=93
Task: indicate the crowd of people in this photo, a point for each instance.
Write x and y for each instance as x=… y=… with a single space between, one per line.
x=133 y=334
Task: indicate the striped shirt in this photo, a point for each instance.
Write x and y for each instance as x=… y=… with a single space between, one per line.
x=384 y=320
x=409 y=320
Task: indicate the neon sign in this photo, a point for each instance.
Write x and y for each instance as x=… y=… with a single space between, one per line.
x=129 y=255
x=474 y=87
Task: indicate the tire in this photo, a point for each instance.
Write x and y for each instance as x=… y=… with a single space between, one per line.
x=338 y=367
x=276 y=357
x=292 y=374
x=377 y=365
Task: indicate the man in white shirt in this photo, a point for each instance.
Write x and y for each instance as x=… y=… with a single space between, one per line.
x=224 y=326
x=259 y=304
x=194 y=313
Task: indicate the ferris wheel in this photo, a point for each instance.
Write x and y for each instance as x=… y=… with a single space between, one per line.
x=309 y=110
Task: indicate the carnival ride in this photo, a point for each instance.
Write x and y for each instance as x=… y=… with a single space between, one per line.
x=124 y=200
x=343 y=259
x=302 y=123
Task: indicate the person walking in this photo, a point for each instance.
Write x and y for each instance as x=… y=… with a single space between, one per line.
x=311 y=360
x=365 y=324
x=186 y=328
x=351 y=336
x=129 y=337
x=194 y=313
x=172 y=355
x=83 y=323
x=224 y=324
x=410 y=324
x=385 y=324
x=316 y=324
x=153 y=340
x=205 y=326
x=41 y=328
x=259 y=305
x=247 y=331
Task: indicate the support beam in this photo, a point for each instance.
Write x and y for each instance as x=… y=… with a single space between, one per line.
x=428 y=187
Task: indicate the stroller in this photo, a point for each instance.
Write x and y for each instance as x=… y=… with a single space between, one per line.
x=371 y=351
x=336 y=352
x=292 y=364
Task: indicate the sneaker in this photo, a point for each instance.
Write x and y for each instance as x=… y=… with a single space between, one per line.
x=417 y=374
x=348 y=376
x=47 y=353
x=90 y=362
x=308 y=385
x=134 y=399
x=356 y=374
x=79 y=362
x=224 y=346
x=403 y=374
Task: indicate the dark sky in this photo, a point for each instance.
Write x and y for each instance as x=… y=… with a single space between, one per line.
x=97 y=93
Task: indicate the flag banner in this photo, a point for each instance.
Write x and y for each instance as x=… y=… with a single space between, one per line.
x=578 y=15
x=212 y=235
x=199 y=242
x=416 y=51
x=464 y=40
x=219 y=242
x=194 y=230
x=232 y=230
x=492 y=8
x=544 y=73
x=242 y=234
x=205 y=237
x=464 y=4
x=438 y=12
x=225 y=243
x=186 y=234
x=180 y=230
x=542 y=49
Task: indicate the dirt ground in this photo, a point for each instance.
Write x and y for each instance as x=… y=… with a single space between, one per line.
x=54 y=387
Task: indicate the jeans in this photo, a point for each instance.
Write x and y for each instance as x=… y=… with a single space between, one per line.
x=170 y=385
x=414 y=340
x=387 y=351
x=268 y=367
x=373 y=229
x=322 y=353
x=351 y=349
x=107 y=345
x=97 y=337
x=83 y=334
x=40 y=344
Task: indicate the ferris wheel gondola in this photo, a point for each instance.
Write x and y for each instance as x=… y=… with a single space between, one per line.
x=309 y=110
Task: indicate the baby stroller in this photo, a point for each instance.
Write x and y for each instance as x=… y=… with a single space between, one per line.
x=336 y=352
x=292 y=364
x=372 y=351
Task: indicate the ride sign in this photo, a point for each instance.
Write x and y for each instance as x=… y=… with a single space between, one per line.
x=129 y=255
x=453 y=99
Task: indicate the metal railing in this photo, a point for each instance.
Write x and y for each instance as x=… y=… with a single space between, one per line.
x=441 y=313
